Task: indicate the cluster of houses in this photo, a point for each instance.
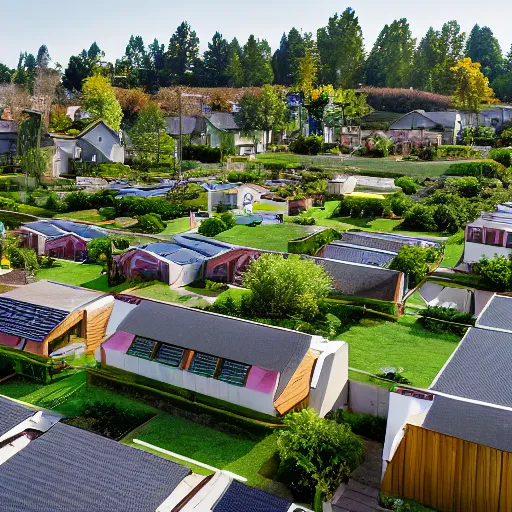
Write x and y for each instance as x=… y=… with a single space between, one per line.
x=46 y=464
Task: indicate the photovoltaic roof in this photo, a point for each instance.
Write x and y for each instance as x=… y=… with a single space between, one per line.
x=69 y=469
x=45 y=228
x=239 y=497
x=11 y=415
x=205 y=246
x=82 y=230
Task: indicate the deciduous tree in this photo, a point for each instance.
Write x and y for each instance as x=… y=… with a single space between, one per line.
x=100 y=101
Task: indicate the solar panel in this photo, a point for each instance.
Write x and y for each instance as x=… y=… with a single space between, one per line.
x=169 y=355
x=233 y=373
x=204 y=364
x=141 y=347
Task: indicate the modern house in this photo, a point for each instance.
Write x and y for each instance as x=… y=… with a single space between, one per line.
x=59 y=238
x=489 y=235
x=44 y=316
x=235 y=362
x=177 y=263
x=494 y=116
x=436 y=127
x=450 y=447
x=97 y=144
x=222 y=129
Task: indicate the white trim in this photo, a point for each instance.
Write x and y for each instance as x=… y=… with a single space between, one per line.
x=187 y=459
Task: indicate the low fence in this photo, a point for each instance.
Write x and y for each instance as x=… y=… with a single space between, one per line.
x=368 y=399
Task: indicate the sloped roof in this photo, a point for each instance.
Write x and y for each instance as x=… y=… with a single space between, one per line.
x=480 y=424
x=45 y=228
x=189 y=125
x=497 y=314
x=85 y=131
x=67 y=468
x=82 y=230
x=246 y=342
x=239 y=497
x=174 y=252
x=478 y=369
x=11 y=415
x=8 y=126
x=223 y=121
x=419 y=120
x=205 y=246
x=358 y=254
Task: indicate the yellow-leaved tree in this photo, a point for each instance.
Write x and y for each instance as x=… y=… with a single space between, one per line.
x=101 y=102
x=472 y=87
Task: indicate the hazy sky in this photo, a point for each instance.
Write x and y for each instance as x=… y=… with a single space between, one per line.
x=67 y=27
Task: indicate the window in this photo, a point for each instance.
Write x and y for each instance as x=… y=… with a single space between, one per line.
x=509 y=240
x=475 y=235
x=204 y=364
x=169 y=355
x=100 y=139
x=233 y=373
x=493 y=237
x=141 y=347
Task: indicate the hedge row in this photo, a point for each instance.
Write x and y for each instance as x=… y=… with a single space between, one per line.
x=501 y=155
x=202 y=153
x=29 y=365
x=313 y=243
x=349 y=313
x=381 y=306
x=481 y=169
x=458 y=152
x=354 y=206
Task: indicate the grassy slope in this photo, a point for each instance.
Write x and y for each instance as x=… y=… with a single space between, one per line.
x=374 y=345
x=273 y=237
x=70 y=272
x=84 y=215
x=453 y=250
x=176 y=226
x=163 y=292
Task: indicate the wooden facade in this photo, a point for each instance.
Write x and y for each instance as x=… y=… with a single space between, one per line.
x=96 y=325
x=449 y=474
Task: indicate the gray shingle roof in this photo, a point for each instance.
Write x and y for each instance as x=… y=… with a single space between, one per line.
x=239 y=497
x=71 y=469
x=12 y=414
x=498 y=314
x=189 y=125
x=479 y=368
x=479 y=424
x=223 y=121
x=230 y=338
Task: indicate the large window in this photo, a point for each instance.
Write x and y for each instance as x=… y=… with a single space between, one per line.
x=203 y=364
x=141 y=347
x=475 y=235
x=233 y=373
x=169 y=355
x=494 y=237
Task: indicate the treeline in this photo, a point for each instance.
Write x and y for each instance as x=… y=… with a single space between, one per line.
x=334 y=55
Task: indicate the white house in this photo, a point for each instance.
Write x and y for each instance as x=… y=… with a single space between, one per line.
x=98 y=143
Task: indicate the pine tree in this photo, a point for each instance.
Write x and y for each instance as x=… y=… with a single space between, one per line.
x=43 y=57
x=216 y=61
x=484 y=48
x=182 y=54
x=256 y=63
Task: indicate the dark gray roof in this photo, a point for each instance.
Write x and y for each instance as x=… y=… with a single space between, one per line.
x=189 y=125
x=419 y=119
x=239 y=497
x=223 y=121
x=27 y=320
x=246 y=342
x=497 y=314
x=71 y=469
x=475 y=423
x=12 y=414
x=479 y=368
x=45 y=228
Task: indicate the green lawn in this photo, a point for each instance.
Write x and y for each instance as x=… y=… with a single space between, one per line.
x=241 y=456
x=176 y=226
x=273 y=237
x=83 y=215
x=453 y=250
x=69 y=272
x=160 y=291
x=374 y=345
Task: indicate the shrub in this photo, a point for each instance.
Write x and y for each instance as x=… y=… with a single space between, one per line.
x=413 y=261
x=76 y=201
x=420 y=217
x=135 y=206
x=397 y=203
x=202 y=153
x=20 y=258
x=465 y=187
x=313 y=243
x=108 y=213
x=485 y=136
x=365 y=425
x=502 y=155
x=448 y=315
x=408 y=185
x=355 y=207
x=481 y=169
x=212 y=227
x=9 y=204
x=458 y=152
x=304 y=220
x=506 y=138
x=317 y=455
x=311 y=145
x=496 y=273
x=403 y=101
x=150 y=223
x=228 y=219
x=244 y=177
x=426 y=153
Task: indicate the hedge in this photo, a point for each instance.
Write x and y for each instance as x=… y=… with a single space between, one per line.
x=502 y=156
x=458 y=152
x=136 y=206
x=481 y=169
x=441 y=326
x=361 y=207
x=381 y=306
x=29 y=365
x=349 y=313
x=313 y=243
x=202 y=153
x=164 y=396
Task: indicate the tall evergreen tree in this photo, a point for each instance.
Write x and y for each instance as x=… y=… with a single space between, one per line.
x=390 y=61
x=5 y=74
x=508 y=61
x=484 y=48
x=340 y=45
x=235 y=70
x=43 y=57
x=216 y=60
x=182 y=54
x=256 y=63
x=280 y=62
x=81 y=66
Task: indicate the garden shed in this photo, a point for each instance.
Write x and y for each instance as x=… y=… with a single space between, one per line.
x=267 y=369
x=44 y=316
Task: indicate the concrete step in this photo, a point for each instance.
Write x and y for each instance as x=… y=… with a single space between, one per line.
x=362 y=488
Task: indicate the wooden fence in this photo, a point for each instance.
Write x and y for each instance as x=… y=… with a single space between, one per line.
x=449 y=474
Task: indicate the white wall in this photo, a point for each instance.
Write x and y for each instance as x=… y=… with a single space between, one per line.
x=474 y=252
x=244 y=397
x=64 y=150
x=400 y=409
x=367 y=399
x=107 y=143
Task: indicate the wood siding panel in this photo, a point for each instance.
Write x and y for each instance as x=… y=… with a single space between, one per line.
x=449 y=474
x=96 y=326
x=65 y=326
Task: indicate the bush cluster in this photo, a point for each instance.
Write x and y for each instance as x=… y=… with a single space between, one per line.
x=311 y=145
x=403 y=101
x=217 y=224
x=244 y=177
x=482 y=169
x=365 y=425
x=448 y=315
x=150 y=223
x=408 y=185
x=458 y=152
x=412 y=261
x=202 y=153
x=502 y=155
x=353 y=206
x=136 y=206
x=496 y=272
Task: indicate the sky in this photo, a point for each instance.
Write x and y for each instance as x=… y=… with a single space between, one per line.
x=68 y=27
